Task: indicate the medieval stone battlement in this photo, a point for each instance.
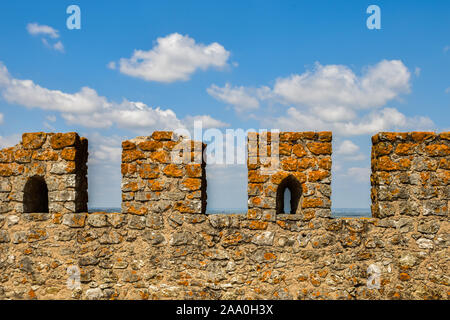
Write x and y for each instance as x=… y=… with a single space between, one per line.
x=163 y=245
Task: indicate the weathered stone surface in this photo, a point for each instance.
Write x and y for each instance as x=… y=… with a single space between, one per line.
x=264 y=239
x=33 y=164
x=181 y=238
x=405 y=174
x=97 y=220
x=4 y=236
x=163 y=246
x=33 y=140
x=76 y=220
x=94 y=294
x=153 y=237
x=62 y=140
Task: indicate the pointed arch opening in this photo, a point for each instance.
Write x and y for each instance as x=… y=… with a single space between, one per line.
x=291 y=188
x=35 y=196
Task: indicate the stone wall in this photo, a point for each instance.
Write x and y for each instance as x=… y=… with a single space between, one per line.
x=303 y=166
x=41 y=164
x=180 y=253
x=163 y=174
x=410 y=174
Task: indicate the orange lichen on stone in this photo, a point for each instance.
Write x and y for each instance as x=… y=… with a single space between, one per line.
x=445 y=135
x=22 y=156
x=183 y=208
x=318 y=175
x=312 y=203
x=160 y=156
x=386 y=164
x=325 y=163
x=128 y=145
x=404 y=164
x=253 y=214
x=325 y=136
x=155 y=185
x=308 y=215
x=233 y=239
x=62 y=140
x=33 y=140
x=255 y=188
x=256 y=201
x=382 y=148
x=319 y=148
x=173 y=170
x=290 y=136
x=128 y=168
x=194 y=170
x=289 y=164
x=69 y=154
x=404 y=276
x=310 y=135
x=6 y=170
x=422 y=136
x=257 y=225
x=57 y=218
x=384 y=177
x=46 y=155
x=71 y=167
x=444 y=176
x=278 y=177
x=255 y=177
x=162 y=135
x=285 y=149
x=7 y=155
x=306 y=163
x=132 y=186
x=192 y=183
x=132 y=155
x=150 y=145
x=148 y=171
x=405 y=148
x=269 y=256
x=140 y=212
x=299 y=151
x=437 y=150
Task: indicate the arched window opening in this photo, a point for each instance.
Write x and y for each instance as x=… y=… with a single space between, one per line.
x=35 y=196
x=289 y=190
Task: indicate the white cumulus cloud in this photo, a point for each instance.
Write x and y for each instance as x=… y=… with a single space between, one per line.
x=46 y=32
x=87 y=108
x=104 y=149
x=240 y=97
x=59 y=46
x=347 y=147
x=380 y=120
x=358 y=174
x=174 y=58
x=29 y=94
x=206 y=120
x=339 y=86
x=331 y=97
x=39 y=29
x=10 y=141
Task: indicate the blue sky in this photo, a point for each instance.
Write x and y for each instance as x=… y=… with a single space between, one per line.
x=289 y=65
